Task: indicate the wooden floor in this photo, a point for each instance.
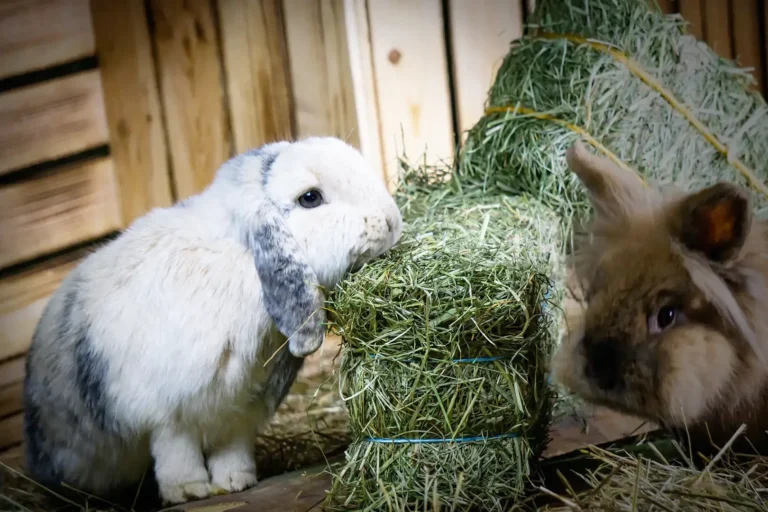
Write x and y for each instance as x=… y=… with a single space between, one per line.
x=304 y=491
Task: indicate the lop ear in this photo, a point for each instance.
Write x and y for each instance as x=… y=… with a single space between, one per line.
x=614 y=192
x=289 y=287
x=714 y=221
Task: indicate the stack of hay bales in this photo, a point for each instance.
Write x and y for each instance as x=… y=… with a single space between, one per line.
x=446 y=339
x=446 y=342
x=629 y=80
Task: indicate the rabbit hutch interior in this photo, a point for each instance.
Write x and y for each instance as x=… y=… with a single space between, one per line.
x=110 y=110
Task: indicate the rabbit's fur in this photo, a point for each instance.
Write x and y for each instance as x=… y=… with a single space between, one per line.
x=153 y=349
x=700 y=255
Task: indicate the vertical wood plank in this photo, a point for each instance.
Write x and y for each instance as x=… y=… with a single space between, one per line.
x=320 y=69
x=132 y=104
x=255 y=59
x=746 y=37
x=718 y=27
x=667 y=6
x=411 y=70
x=364 y=86
x=192 y=91
x=481 y=34
x=693 y=12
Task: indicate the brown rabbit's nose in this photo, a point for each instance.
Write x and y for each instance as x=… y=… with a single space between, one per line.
x=603 y=362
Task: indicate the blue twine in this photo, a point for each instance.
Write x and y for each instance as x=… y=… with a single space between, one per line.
x=390 y=440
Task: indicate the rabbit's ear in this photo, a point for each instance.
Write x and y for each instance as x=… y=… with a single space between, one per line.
x=714 y=221
x=614 y=192
x=290 y=289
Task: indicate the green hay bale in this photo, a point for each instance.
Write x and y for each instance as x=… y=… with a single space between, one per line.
x=595 y=92
x=468 y=280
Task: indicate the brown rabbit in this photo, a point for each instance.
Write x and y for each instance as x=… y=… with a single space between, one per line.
x=676 y=321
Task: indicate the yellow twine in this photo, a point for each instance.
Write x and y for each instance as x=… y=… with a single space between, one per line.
x=637 y=70
x=577 y=129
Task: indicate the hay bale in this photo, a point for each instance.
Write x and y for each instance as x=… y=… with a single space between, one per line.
x=661 y=103
x=445 y=343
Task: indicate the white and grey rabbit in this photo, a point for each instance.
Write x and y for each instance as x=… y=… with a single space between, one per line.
x=153 y=349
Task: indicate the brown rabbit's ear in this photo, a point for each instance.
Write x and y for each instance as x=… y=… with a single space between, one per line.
x=614 y=192
x=714 y=221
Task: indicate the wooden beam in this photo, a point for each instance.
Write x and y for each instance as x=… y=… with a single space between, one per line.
x=58 y=209
x=11 y=399
x=320 y=69
x=51 y=120
x=136 y=132
x=192 y=92
x=693 y=12
x=366 y=99
x=11 y=433
x=667 y=6
x=747 y=37
x=41 y=33
x=12 y=370
x=718 y=27
x=481 y=33
x=411 y=71
x=256 y=65
x=13 y=457
x=23 y=298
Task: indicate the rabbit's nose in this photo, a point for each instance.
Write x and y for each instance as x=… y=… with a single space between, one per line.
x=603 y=362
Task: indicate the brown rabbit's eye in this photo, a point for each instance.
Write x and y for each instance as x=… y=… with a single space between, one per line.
x=311 y=199
x=666 y=317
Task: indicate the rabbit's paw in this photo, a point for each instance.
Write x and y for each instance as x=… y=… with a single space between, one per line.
x=174 y=493
x=235 y=481
x=233 y=468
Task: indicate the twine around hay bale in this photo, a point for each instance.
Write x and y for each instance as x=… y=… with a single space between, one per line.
x=446 y=340
x=630 y=81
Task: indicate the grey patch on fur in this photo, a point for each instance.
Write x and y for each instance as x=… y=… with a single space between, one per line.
x=286 y=367
x=287 y=283
x=38 y=460
x=266 y=167
x=90 y=368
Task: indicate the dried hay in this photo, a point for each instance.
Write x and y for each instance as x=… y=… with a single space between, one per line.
x=446 y=341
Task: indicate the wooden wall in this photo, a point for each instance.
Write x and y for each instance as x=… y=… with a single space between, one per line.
x=109 y=108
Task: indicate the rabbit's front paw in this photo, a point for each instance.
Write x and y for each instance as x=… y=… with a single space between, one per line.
x=173 y=493
x=233 y=468
x=235 y=481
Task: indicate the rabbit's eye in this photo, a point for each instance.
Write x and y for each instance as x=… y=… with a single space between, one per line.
x=664 y=319
x=311 y=199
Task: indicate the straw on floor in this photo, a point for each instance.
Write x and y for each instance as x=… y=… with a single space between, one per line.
x=445 y=347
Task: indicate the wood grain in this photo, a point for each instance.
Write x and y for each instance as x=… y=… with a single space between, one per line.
x=192 y=91
x=13 y=457
x=693 y=12
x=481 y=33
x=256 y=66
x=411 y=71
x=718 y=27
x=136 y=132
x=55 y=210
x=12 y=370
x=667 y=6
x=51 y=120
x=41 y=33
x=320 y=69
x=366 y=99
x=746 y=37
x=11 y=430
x=11 y=399
x=23 y=298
